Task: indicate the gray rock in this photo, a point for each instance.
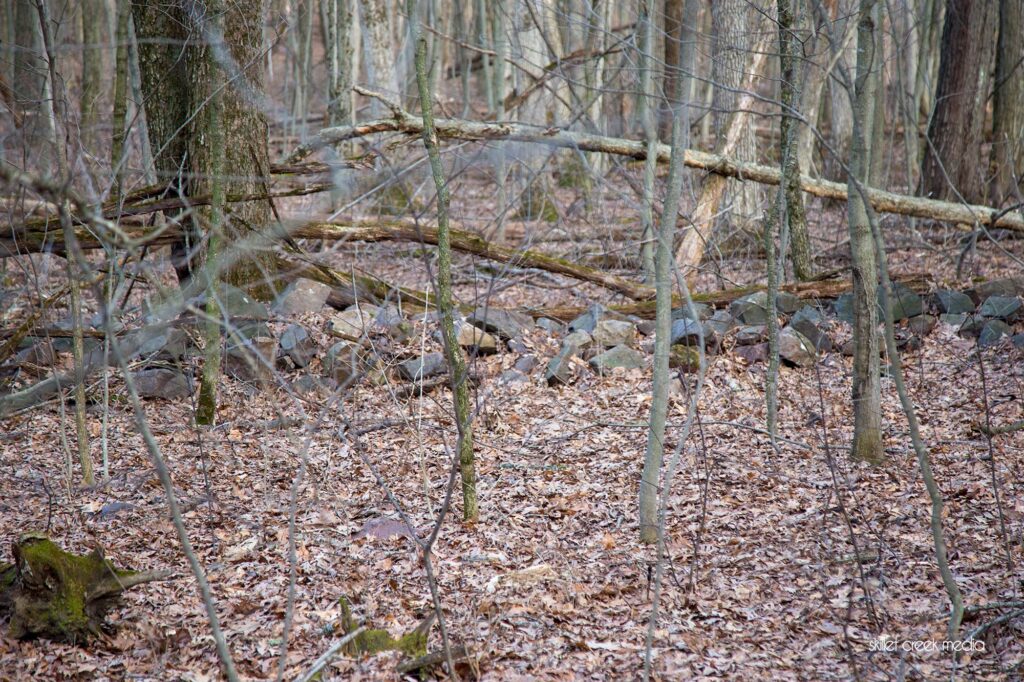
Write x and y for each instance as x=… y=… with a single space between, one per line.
x=387 y=317
x=560 y=367
x=610 y=333
x=251 y=360
x=787 y=303
x=808 y=313
x=751 y=309
x=704 y=312
x=842 y=307
x=508 y=324
x=953 y=319
x=646 y=327
x=526 y=364
x=160 y=382
x=1017 y=340
x=753 y=354
x=302 y=296
x=352 y=324
x=904 y=301
x=720 y=324
x=971 y=326
x=619 y=356
x=297 y=345
x=516 y=346
x=248 y=329
x=1006 y=308
x=922 y=325
x=992 y=332
x=513 y=376
x=588 y=320
x=344 y=362
x=687 y=332
x=475 y=340
x=235 y=303
x=551 y=326
x=795 y=348
x=579 y=339
x=751 y=334
x=809 y=322
x=952 y=302
x=1009 y=286
x=423 y=367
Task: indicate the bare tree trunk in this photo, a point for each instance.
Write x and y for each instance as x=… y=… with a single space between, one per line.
x=867 y=410
x=653 y=457
x=695 y=239
x=647 y=103
x=955 y=133
x=673 y=19
x=381 y=69
x=246 y=164
x=75 y=263
x=213 y=113
x=122 y=78
x=1008 y=111
x=30 y=87
x=795 y=224
x=94 y=23
x=731 y=59
x=456 y=363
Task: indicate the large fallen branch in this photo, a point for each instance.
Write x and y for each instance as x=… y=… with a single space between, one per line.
x=823 y=289
x=467 y=242
x=460 y=129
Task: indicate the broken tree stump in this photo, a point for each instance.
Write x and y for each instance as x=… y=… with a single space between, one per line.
x=62 y=596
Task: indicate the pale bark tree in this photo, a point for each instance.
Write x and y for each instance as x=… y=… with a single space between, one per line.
x=381 y=69
x=733 y=25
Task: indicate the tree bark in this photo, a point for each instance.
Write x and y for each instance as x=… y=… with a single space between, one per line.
x=733 y=23
x=696 y=238
x=456 y=362
x=796 y=221
x=1008 y=110
x=94 y=27
x=867 y=410
x=951 y=154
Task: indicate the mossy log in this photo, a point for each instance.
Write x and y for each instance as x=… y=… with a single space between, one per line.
x=62 y=596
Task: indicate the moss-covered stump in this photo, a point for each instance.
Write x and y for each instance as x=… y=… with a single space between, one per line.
x=51 y=593
x=413 y=644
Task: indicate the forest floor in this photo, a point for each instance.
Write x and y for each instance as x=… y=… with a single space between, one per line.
x=552 y=583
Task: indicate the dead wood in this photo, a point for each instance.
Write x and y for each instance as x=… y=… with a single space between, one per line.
x=48 y=592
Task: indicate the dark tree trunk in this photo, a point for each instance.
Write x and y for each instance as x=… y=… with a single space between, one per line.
x=673 y=35
x=1008 y=112
x=173 y=41
x=955 y=132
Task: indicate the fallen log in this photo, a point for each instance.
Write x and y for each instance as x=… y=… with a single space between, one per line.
x=820 y=289
x=466 y=242
x=460 y=129
x=51 y=593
